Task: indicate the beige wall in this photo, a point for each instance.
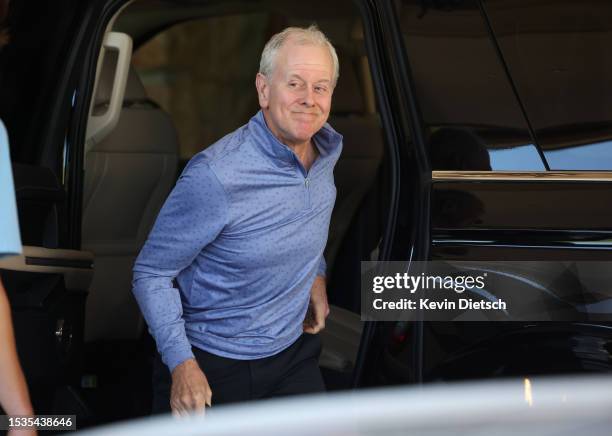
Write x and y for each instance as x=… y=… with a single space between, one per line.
x=206 y=87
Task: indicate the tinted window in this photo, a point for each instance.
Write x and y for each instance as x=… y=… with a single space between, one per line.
x=33 y=43
x=560 y=59
x=472 y=116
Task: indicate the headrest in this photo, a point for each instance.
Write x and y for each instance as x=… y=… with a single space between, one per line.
x=348 y=95
x=134 y=90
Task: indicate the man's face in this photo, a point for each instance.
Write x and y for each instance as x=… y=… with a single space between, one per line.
x=297 y=98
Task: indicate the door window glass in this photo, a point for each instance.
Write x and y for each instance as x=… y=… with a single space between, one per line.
x=472 y=116
x=33 y=44
x=559 y=56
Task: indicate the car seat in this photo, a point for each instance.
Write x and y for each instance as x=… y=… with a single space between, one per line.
x=128 y=176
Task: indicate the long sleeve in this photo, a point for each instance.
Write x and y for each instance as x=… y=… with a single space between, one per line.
x=192 y=217
x=322 y=269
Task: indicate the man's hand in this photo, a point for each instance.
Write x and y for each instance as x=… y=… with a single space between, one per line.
x=190 y=390
x=318 y=308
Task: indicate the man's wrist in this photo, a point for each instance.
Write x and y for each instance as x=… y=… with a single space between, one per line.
x=176 y=357
x=185 y=364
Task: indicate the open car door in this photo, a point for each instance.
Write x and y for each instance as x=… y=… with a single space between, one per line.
x=46 y=287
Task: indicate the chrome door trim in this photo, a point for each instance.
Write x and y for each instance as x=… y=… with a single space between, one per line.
x=522 y=176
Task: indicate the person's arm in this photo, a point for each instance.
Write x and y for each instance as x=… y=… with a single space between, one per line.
x=193 y=215
x=322 y=268
x=318 y=308
x=14 y=397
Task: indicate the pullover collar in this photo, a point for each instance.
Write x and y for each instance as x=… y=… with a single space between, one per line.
x=327 y=141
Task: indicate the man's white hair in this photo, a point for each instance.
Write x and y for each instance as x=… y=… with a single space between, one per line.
x=302 y=36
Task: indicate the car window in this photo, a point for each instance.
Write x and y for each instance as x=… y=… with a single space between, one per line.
x=560 y=59
x=473 y=118
x=33 y=41
x=35 y=68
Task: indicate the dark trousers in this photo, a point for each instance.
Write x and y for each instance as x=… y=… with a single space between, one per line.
x=293 y=371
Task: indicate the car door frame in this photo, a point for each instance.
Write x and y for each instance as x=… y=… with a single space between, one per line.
x=410 y=175
x=407 y=232
x=49 y=284
x=470 y=181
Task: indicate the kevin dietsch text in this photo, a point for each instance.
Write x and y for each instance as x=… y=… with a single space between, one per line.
x=428 y=304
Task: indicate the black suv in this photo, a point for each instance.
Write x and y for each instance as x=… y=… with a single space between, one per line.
x=474 y=130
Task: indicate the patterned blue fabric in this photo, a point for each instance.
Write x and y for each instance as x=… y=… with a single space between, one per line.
x=10 y=241
x=242 y=235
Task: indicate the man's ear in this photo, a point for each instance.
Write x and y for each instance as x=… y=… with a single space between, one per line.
x=263 y=90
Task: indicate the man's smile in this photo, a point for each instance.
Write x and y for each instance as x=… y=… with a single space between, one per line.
x=306 y=114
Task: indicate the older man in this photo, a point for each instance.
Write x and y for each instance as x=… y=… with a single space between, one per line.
x=242 y=237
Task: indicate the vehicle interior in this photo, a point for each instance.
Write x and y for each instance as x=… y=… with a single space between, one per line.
x=173 y=78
